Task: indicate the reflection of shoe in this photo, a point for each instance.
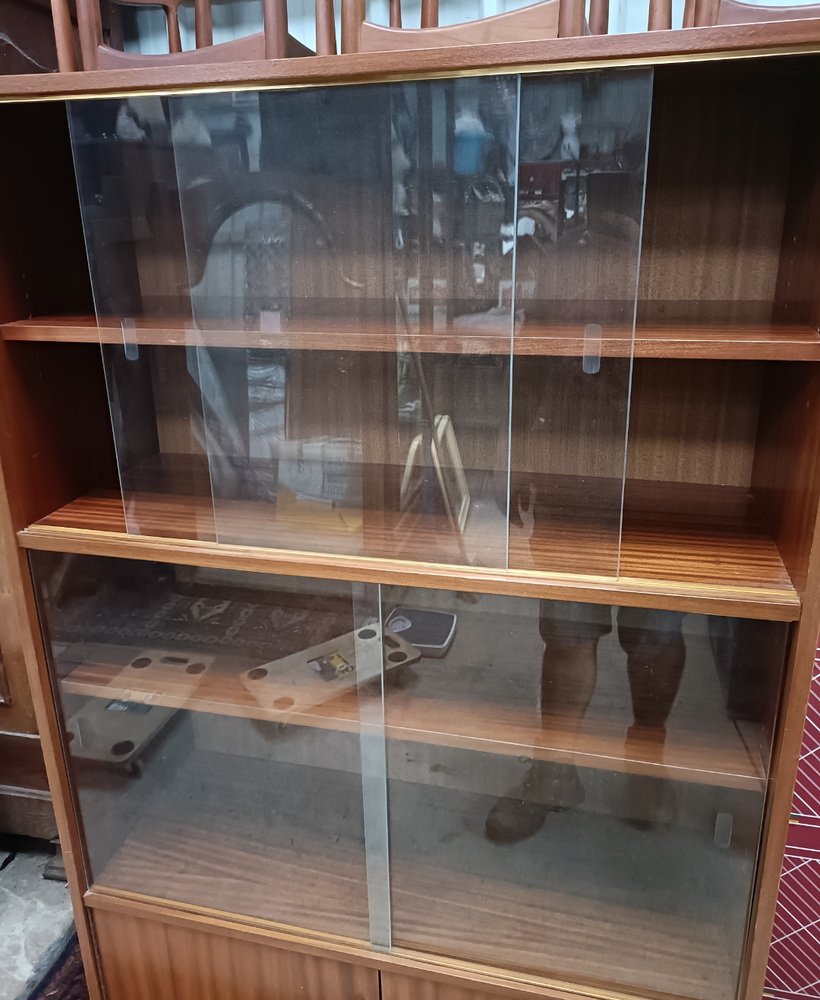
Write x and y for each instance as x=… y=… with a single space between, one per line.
x=547 y=787
x=649 y=802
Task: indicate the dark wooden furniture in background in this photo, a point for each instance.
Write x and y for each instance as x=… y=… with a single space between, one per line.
x=542 y=20
x=272 y=43
x=26 y=37
x=703 y=13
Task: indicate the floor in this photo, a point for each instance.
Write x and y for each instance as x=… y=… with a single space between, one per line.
x=35 y=915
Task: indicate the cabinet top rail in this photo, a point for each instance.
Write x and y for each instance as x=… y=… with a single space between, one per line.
x=553 y=55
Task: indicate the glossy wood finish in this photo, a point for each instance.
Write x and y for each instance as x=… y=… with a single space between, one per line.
x=657 y=47
x=145 y=960
x=714 y=556
x=763 y=341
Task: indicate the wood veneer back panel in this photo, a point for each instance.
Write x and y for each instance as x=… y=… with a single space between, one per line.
x=54 y=415
x=694 y=421
x=786 y=474
x=720 y=148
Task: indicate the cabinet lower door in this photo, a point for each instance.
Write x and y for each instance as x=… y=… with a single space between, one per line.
x=398 y=987
x=146 y=960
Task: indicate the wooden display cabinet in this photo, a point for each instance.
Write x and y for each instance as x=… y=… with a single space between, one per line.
x=420 y=512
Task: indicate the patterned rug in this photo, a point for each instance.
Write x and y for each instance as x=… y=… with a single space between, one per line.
x=66 y=979
x=153 y=611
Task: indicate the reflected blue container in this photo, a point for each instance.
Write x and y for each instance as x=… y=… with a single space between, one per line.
x=470 y=144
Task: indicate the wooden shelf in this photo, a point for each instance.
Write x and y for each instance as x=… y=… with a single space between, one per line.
x=762 y=341
x=709 y=554
x=450 y=704
x=463 y=896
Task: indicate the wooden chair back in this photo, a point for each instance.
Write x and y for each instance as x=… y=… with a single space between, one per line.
x=702 y=13
x=544 y=20
x=660 y=15
x=273 y=42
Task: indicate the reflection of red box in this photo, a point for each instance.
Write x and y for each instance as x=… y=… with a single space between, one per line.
x=540 y=180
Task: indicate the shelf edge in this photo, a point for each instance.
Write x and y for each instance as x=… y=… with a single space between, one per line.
x=770 y=604
x=649 y=341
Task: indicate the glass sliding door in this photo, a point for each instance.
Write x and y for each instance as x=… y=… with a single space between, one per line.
x=582 y=150
x=124 y=159
x=224 y=732
x=576 y=791
x=350 y=280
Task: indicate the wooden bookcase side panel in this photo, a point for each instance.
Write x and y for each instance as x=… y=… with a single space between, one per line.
x=54 y=420
x=790 y=492
x=59 y=448
x=40 y=415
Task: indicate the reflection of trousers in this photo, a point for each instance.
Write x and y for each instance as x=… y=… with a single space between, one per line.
x=652 y=642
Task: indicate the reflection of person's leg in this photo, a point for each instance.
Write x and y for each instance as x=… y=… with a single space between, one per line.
x=656 y=656
x=568 y=674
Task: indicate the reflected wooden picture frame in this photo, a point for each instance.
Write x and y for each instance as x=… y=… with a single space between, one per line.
x=449 y=468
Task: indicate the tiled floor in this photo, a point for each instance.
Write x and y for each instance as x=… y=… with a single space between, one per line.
x=36 y=922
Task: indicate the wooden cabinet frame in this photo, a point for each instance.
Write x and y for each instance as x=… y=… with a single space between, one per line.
x=46 y=464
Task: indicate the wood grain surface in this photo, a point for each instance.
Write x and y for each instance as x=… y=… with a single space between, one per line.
x=455 y=711
x=650 y=47
x=670 y=339
x=144 y=960
x=724 y=548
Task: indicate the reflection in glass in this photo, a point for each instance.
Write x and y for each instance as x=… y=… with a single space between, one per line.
x=333 y=282
x=595 y=774
x=127 y=182
x=583 y=142
x=358 y=255
x=212 y=724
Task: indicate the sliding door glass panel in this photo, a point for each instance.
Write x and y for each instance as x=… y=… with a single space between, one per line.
x=582 y=151
x=350 y=269
x=575 y=790
x=127 y=179
x=212 y=722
